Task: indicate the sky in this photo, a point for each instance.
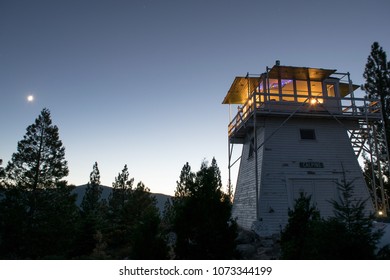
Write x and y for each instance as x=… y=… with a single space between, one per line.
x=141 y=82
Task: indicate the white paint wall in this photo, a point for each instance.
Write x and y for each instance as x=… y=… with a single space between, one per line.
x=279 y=168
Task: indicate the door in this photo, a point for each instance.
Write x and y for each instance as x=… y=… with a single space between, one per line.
x=322 y=192
x=332 y=101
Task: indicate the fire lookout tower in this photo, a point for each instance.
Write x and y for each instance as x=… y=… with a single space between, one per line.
x=302 y=130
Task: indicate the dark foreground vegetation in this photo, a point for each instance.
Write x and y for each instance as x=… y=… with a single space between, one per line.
x=348 y=235
x=40 y=219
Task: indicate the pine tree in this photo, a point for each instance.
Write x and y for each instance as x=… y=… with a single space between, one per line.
x=186 y=184
x=92 y=202
x=38 y=210
x=93 y=214
x=120 y=222
x=147 y=239
x=39 y=162
x=359 y=239
x=202 y=215
x=296 y=236
x=377 y=77
x=122 y=188
x=134 y=223
x=40 y=158
x=377 y=85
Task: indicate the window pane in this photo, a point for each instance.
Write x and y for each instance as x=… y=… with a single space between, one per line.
x=274 y=90
x=287 y=87
x=302 y=99
x=302 y=88
x=308 y=134
x=259 y=97
x=288 y=98
x=330 y=90
x=316 y=88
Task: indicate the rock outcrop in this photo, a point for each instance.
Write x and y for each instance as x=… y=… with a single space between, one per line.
x=253 y=247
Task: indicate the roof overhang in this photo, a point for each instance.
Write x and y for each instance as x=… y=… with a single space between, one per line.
x=345 y=90
x=240 y=89
x=299 y=73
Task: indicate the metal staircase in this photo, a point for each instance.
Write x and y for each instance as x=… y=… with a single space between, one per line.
x=359 y=136
x=366 y=138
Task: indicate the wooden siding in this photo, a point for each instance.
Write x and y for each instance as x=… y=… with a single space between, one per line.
x=280 y=170
x=244 y=204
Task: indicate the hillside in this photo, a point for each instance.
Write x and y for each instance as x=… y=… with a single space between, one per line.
x=80 y=191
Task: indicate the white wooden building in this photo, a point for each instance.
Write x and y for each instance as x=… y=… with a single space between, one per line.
x=301 y=131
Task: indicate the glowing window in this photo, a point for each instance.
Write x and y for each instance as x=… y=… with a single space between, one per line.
x=287 y=87
x=288 y=98
x=303 y=99
x=316 y=88
x=274 y=85
x=330 y=90
x=302 y=89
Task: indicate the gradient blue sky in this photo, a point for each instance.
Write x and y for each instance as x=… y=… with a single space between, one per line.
x=141 y=82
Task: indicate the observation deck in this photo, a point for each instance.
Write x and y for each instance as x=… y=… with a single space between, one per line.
x=287 y=91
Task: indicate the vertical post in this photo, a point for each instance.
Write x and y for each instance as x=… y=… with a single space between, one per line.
x=247 y=77
x=373 y=183
x=295 y=90
x=308 y=85
x=387 y=159
x=350 y=89
x=255 y=150
x=229 y=172
x=229 y=152
x=267 y=84
x=383 y=198
x=370 y=132
x=280 y=87
x=256 y=165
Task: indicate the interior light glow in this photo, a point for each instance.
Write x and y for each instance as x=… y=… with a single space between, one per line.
x=285 y=82
x=313 y=101
x=380 y=213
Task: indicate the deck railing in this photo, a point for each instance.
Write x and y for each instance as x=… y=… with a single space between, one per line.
x=346 y=107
